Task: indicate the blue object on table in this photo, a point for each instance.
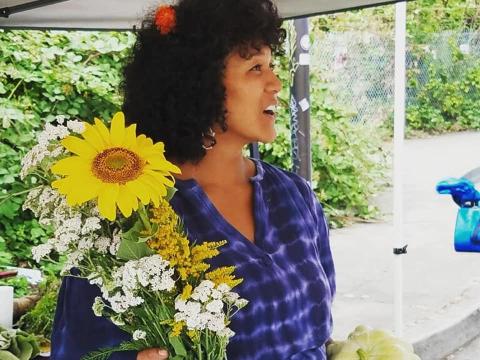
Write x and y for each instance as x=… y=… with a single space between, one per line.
x=467 y=227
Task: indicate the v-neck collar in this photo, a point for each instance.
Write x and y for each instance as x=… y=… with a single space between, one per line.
x=256 y=245
x=192 y=183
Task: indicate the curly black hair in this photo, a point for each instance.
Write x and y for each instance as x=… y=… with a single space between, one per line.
x=173 y=84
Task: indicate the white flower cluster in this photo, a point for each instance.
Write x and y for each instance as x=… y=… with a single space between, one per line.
x=76 y=232
x=48 y=146
x=98 y=306
x=139 y=335
x=205 y=310
x=151 y=272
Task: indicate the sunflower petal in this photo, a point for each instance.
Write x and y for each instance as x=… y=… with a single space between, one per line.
x=71 y=165
x=127 y=202
x=79 y=146
x=62 y=185
x=107 y=200
x=93 y=137
x=163 y=164
x=156 y=186
x=91 y=187
x=164 y=178
x=66 y=187
x=139 y=190
x=144 y=141
x=130 y=136
x=117 y=129
x=159 y=146
x=103 y=131
x=151 y=188
x=156 y=150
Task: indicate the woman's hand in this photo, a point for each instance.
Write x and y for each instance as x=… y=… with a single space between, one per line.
x=153 y=354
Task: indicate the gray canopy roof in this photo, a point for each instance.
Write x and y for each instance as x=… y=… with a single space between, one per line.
x=124 y=14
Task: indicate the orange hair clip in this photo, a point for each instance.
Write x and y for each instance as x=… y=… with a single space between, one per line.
x=165 y=19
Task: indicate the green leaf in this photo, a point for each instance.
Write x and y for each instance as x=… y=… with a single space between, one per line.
x=102 y=354
x=170 y=193
x=134 y=232
x=177 y=346
x=37 y=232
x=132 y=250
x=7 y=355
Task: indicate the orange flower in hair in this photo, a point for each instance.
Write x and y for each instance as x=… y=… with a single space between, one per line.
x=165 y=19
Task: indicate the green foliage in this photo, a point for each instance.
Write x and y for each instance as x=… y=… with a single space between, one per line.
x=39 y=320
x=448 y=101
x=21 y=286
x=5 y=255
x=42 y=75
x=349 y=166
x=348 y=162
x=425 y=18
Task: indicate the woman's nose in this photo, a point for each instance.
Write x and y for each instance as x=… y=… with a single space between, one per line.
x=275 y=85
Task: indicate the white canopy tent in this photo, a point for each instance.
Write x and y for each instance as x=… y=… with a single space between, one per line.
x=126 y=14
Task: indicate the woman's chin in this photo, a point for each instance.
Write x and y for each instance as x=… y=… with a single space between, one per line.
x=268 y=138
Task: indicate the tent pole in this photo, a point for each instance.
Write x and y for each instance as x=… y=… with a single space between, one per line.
x=9 y=10
x=399 y=243
x=300 y=102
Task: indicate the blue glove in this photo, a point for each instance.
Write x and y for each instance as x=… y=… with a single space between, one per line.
x=462 y=190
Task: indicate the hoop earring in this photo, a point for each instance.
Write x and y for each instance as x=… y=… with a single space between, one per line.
x=210 y=136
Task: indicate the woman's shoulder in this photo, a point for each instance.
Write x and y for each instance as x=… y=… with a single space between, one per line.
x=274 y=175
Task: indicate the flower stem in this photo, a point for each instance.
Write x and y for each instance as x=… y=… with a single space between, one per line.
x=362 y=355
x=199 y=350
x=144 y=217
x=9 y=196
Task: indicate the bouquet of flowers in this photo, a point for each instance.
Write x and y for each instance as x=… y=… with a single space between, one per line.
x=105 y=191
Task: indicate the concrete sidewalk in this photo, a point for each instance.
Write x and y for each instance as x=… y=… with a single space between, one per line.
x=441 y=287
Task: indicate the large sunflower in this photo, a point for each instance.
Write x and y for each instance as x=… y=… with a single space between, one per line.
x=116 y=165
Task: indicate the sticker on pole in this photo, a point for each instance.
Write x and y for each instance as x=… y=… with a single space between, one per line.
x=304 y=105
x=304 y=59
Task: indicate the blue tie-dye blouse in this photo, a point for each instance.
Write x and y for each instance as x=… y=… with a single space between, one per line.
x=288 y=274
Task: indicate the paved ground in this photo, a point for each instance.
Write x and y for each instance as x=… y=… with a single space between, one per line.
x=441 y=287
x=468 y=352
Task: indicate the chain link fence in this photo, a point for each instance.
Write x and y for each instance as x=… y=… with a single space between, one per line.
x=358 y=67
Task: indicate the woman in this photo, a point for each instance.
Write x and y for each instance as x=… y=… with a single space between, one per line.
x=200 y=80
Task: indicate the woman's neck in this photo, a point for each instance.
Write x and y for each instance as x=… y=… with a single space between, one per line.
x=219 y=168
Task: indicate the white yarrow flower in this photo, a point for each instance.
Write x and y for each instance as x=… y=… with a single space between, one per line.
x=139 y=335
x=40 y=251
x=102 y=244
x=98 y=306
x=76 y=126
x=216 y=323
x=240 y=303
x=215 y=306
x=226 y=332
x=91 y=224
x=231 y=297
x=117 y=238
x=223 y=288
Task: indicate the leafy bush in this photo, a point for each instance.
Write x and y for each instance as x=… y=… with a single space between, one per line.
x=39 y=320
x=44 y=75
x=21 y=286
x=449 y=100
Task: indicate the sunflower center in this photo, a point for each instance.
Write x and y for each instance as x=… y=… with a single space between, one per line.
x=117 y=165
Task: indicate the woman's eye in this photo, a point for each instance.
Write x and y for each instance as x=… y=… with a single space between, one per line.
x=258 y=67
